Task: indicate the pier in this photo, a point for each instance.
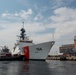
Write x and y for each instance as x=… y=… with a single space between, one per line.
x=71 y=58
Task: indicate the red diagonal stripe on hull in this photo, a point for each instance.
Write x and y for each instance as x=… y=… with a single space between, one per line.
x=26 y=52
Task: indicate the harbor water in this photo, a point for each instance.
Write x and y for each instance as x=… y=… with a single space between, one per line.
x=49 y=67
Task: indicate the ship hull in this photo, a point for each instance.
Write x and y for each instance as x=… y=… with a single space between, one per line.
x=38 y=51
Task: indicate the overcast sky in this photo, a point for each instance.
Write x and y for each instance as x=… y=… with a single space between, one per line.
x=42 y=19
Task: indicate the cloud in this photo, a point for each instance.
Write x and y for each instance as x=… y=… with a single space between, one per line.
x=24 y=14
x=63 y=14
x=38 y=17
x=60 y=3
x=17 y=15
x=8 y=34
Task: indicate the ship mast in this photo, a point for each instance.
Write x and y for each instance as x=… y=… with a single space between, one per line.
x=22 y=35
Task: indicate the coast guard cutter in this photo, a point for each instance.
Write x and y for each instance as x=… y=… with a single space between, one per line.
x=29 y=50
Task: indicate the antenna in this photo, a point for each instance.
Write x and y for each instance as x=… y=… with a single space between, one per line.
x=23 y=24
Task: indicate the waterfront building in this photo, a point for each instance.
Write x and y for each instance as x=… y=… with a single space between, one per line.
x=68 y=49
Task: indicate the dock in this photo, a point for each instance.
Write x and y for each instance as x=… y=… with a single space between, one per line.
x=71 y=58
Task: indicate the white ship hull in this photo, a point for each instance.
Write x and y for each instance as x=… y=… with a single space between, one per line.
x=38 y=51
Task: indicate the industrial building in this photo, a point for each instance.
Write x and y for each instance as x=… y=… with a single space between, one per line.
x=69 y=49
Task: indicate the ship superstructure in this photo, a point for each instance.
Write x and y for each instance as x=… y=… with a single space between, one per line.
x=21 y=42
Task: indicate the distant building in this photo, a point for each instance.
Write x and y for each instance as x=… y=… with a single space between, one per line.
x=68 y=49
x=75 y=43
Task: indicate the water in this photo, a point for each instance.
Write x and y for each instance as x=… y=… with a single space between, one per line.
x=50 y=67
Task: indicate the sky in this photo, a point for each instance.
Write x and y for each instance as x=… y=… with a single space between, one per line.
x=42 y=19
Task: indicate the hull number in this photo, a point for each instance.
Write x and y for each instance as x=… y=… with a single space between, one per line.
x=39 y=49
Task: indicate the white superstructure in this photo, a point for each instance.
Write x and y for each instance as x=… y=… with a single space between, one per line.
x=30 y=50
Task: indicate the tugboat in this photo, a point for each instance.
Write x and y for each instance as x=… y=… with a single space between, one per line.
x=5 y=52
x=25 y=47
